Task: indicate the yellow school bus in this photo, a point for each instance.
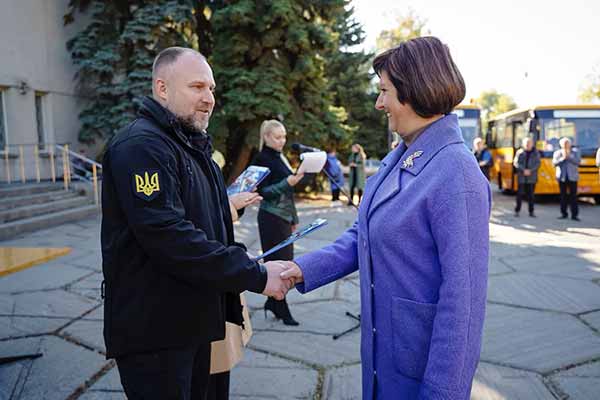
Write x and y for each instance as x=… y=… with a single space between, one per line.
x=469 y=120
x=546 y=125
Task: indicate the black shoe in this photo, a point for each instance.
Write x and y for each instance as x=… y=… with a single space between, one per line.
x=516 y=214
x=280 y=310
x=575 y=219
x=532 y=215
x=563 y=217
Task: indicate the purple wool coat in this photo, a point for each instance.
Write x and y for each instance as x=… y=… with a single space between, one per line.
x=421 y=243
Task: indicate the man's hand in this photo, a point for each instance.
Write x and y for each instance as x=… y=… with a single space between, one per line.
x=277 y=287
x=244 y=199
x=292 y=272
x=527 y=172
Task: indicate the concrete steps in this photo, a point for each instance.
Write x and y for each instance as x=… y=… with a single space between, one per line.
x=34 y=206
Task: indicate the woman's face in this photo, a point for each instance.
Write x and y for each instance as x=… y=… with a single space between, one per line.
x=401 y=117
x=354 y=148
x=276 y=139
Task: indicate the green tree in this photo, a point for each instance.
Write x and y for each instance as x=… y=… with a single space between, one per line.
x=114 y=55
x=269 y=62
x=408 y=26
x=590 y=89
x=493 y=103
x=354 y=93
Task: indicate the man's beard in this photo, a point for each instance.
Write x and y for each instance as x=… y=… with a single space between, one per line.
x=190 y=125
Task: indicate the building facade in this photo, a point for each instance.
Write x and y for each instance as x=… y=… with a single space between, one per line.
x=38 y=103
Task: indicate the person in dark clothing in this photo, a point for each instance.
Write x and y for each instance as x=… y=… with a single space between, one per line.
x=526 y=162
x=277 y=216
x=172 y=270
x=332 y=166
x=357 y=179
x=483 y=156
x=566 y=160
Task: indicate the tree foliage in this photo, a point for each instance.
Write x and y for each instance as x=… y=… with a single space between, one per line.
x=493 y=103
x=590 y=89
x=408 y=26
x=288 y=59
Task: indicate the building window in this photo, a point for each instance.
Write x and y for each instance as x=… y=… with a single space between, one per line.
x=3 y=139
x=39 y=116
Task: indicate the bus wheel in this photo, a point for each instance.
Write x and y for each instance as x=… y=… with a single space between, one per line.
x=597 y=199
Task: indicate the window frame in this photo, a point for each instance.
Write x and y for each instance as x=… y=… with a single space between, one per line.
x=42 y=110
x=3 y=123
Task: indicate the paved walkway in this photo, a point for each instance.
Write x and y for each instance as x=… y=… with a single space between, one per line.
x=541 y=341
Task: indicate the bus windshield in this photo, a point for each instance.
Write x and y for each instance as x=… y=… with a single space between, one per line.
x=470 y=129
x=583 y=132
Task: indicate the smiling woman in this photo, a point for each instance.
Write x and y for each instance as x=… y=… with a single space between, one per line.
x=421 y=239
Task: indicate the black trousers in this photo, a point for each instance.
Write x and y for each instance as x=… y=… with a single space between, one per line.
x=335 y=194
x=169 y=374
x=272 y=230
x=360 y=193
x=570 y=198
x=219 y=387
x=525 y=190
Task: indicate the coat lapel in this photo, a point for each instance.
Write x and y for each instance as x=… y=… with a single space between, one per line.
x=438 y=135
x=388 y=164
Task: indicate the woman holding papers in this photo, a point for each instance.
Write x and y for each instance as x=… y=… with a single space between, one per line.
x=421 y=239
x=277 y=217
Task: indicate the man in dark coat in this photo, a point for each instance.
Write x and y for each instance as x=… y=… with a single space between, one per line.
x=526 y=162
x=173 y=272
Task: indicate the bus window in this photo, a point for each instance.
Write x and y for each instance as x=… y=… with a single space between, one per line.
x=520 y=133
x=470 y=129
x=504 y=139
x=583 y=132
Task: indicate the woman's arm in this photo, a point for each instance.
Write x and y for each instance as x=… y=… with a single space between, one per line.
x=285 y=185
x=326 y=265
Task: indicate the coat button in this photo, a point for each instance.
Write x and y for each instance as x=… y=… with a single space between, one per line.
x=365 y=244
x=375 y=372
x=374 y=330
x=372 y=286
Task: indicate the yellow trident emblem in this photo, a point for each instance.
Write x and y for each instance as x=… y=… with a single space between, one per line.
x=147 y=185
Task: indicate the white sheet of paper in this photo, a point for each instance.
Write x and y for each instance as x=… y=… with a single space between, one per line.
x=312 y=162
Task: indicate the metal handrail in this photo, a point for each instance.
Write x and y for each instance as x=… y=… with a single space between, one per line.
x=66 y=163
x=84 y=158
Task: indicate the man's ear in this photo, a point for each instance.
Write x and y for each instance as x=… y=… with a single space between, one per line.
x=160 y=88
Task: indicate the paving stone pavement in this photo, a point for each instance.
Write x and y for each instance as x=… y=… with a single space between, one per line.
x=541 y=335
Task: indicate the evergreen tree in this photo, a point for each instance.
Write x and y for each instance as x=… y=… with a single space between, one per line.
x=269 y=62
x=114 y=55
x=351 y=82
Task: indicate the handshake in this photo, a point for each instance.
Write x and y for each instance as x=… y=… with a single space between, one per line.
x=281 y=277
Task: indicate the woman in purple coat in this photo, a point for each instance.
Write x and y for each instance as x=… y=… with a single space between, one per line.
x=421 y=239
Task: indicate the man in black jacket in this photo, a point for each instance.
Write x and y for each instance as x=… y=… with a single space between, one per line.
x=172 y=270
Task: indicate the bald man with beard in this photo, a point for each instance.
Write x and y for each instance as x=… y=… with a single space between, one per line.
x=172 y=269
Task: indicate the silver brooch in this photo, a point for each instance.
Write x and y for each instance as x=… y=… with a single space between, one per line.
x=409 y=162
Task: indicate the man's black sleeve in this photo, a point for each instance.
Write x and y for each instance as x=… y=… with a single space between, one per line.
x=157 y=218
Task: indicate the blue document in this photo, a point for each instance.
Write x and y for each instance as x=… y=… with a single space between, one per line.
x=300 y=233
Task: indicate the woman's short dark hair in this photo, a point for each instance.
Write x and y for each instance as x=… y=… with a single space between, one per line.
x=424 y=75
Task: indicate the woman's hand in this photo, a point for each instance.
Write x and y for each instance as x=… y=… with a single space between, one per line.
x=292 y=272
x=244 y=199
x=294 y=179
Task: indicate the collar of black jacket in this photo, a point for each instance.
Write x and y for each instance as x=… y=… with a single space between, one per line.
x=166 y=120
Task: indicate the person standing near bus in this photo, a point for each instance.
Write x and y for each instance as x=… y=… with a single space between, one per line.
x=566 y=160
x=526 y=162
x=483 y=156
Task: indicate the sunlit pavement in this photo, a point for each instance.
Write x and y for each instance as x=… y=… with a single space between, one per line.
x=541 y=340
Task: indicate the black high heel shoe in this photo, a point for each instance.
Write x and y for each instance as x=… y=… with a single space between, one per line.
x=280 y=310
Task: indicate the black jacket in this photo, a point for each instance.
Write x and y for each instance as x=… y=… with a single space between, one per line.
x=278 y=195
x=172 y=270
